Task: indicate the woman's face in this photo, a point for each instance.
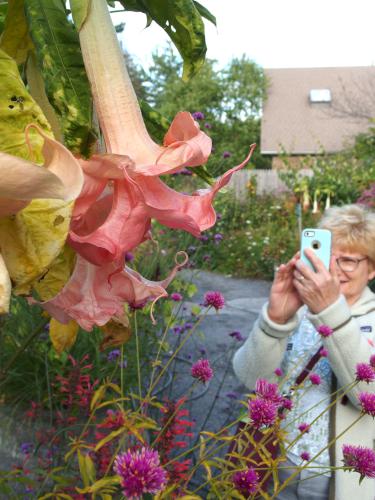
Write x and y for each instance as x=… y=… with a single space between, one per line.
x=352 y=283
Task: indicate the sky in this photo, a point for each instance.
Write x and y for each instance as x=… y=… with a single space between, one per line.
x=273 y=33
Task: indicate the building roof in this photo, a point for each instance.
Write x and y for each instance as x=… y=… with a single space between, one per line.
x=300 y=122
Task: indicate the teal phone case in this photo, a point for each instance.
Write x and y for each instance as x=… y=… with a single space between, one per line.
x=319 y=240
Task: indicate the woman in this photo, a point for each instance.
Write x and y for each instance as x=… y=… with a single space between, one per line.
x=285 y=335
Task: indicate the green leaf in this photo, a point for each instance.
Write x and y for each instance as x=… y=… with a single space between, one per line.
x=205 y=12
x=18 y=109
x=105 y=485
x=80 y=9
x=183 y=23
x=60 y=61
x=3 y=13
x=15 y=39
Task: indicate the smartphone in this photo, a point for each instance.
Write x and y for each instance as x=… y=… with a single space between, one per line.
x=320 y=241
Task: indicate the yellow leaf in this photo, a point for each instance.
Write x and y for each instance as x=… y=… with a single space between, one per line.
x=115 y=334
x=86 y=467
x=62 y=336
x=15 y=39
x=32 y=239
x=109 y=437
x=56 y=277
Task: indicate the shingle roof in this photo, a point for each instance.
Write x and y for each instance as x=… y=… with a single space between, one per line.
x=291 y=122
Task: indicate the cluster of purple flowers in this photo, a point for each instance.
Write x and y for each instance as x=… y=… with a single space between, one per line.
x=183 y=328
x=237 y=336
x=365 y=372
x=264 y=408
x=325 y=331
x=140 y=472
x=360 y=459
x=214 y=299
x=367 y=400
x=246 y=481
x=202 y=371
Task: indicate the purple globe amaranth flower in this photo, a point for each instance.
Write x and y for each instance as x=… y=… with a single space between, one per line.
x=364 y=372
x=237 y=336
x=214 y=299
x=266 y=390
x=315 y=379
x=325 y=330
x=278 y=372
x=202 y=371
x=27 y=448
x=227 y=154
x=305 y=455
x=129 y=257
x=372 y=361
x=218 y=237
x=203 y=237
x=360 y=459
x=246 y=481
x=140 y=472
x=262 y=412
x=367 y=400
x=113 y=355
x=176 y=297
x=304 y=428
x=324 y=352
x=198 y=115
x=287 y=404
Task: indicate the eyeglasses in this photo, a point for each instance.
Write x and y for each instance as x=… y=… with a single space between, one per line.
x=349 y=264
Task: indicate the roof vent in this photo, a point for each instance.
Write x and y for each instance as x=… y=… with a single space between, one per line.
x=320 y=95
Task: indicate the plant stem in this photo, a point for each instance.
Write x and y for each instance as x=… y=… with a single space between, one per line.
x=37 y=331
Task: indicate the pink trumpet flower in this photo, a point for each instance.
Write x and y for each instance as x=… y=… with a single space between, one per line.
x=96 y=293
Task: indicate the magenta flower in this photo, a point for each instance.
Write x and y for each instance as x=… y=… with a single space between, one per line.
x=266 y=390
x=227 y=154
x=198 y=115
x=372 y=360
x=287 y=404
x=262 y=412
x=304 y=428
x=202 y=370
x=324 y=352
x=177 y=297
x=365 y=372
x=140 y=472
x=315 y=378
x=237 y=336
x=305 y=455
x=360 y=459
x=325 y=330
x=278 y=372
x=214 y=299
x=367 y=400
x=246 y=481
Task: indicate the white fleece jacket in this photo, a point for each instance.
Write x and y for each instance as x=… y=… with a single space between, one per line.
x=352 y=342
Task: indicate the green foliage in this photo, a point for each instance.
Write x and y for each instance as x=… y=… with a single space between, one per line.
x=230 y=101
x=182 y=21
x=61 y=64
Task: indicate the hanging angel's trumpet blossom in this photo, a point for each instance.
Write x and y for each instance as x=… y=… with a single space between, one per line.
x=95 y=294
x=122 y=190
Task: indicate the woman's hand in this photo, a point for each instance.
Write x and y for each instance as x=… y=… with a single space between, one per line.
x=319 y=289
x=284 y=300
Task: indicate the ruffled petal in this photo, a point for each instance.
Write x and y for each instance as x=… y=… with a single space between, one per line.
x=185 y=145
x=21 y=181
x=94 y=294
x=113 y=225
x=179 y=211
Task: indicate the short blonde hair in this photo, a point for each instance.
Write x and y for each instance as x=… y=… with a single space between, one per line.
x=352 y=227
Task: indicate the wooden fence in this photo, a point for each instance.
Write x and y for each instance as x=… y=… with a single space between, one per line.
x=267 y=181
